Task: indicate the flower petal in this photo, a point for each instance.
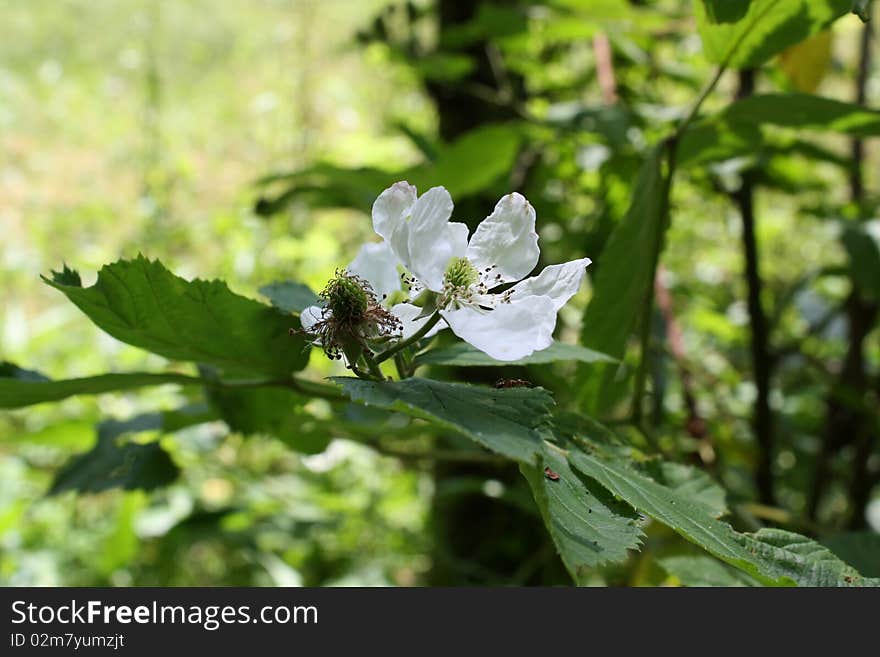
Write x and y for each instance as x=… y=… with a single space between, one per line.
x=430 y=241
x=559 y=282
x=407 y=313
x=310 y=316
x=392 y=207
x=377 y=263
x=509 y=332
x=507 y=239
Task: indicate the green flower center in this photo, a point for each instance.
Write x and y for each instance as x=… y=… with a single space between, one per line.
x=461 y=273
x=346 y=299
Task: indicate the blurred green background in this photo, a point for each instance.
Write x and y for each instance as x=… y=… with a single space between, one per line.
x=142 y=126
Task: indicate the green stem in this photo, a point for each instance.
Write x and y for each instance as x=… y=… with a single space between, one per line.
x=415 y=337
x=373 y=366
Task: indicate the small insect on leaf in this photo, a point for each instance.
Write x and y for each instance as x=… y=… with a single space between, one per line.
x=514 y=383
x=552 y=475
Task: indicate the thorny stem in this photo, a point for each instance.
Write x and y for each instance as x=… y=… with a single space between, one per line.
x=415 y=337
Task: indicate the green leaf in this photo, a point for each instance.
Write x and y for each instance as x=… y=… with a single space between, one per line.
x=862 y=9
x=784 y=554
x=272 y=411
x=67 y=276
x=864 y=259
x=736 y=132
x=462 y=354
x=504 y=421
x=143 y=304
x=12 y=371
x=472 y=162
x=689 y=482
x=289 y=296
x=703 y=570
x=725 y=11
x=587 y=525
x=113 y=465
x=771 y=558
x=796 y=110
x=861 y=550
x=625 y=280
x=766 y=29
x=19 y=392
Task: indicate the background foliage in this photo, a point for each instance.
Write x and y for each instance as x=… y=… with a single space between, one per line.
x=711 y=404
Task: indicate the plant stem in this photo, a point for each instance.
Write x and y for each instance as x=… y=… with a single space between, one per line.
x=411 y=340
x=373 y=366
x=762 y=419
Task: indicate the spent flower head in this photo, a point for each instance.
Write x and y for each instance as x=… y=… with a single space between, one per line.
x=349 y=317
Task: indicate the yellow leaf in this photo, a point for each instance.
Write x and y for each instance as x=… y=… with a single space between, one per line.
x=806 y=63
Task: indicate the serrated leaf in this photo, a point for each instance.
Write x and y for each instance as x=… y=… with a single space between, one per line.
x=17 y=392
x=143 y=304
x=504 y=421
x=461 y=354
x=290 y=296
x=67 y=276
x=703 y=570
x=688 y=482
x=112 y=465
x=587 y=525
x=861 y=550
x=767 y=557
x=766 y=29
x=786 y=554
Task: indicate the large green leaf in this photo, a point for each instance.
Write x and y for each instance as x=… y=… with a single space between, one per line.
x=587 y=525
x=770 y=558
x=747 y=40
x=736 y=131
x=462 y=354
x=111 y=464
x=18 y=392
x=624 y=280
x=625 y=268
x=806 y=111
x=504 y=421
x=142 y=303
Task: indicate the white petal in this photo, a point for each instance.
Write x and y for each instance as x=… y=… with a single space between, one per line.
x=310 y=316
x=559 y=282
x=377 y=263
x=507 y=239
x=392 y=207
x=430 y=241
x=407 y=313
x=509 y=332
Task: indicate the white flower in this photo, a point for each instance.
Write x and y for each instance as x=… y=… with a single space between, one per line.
x=506 y=324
